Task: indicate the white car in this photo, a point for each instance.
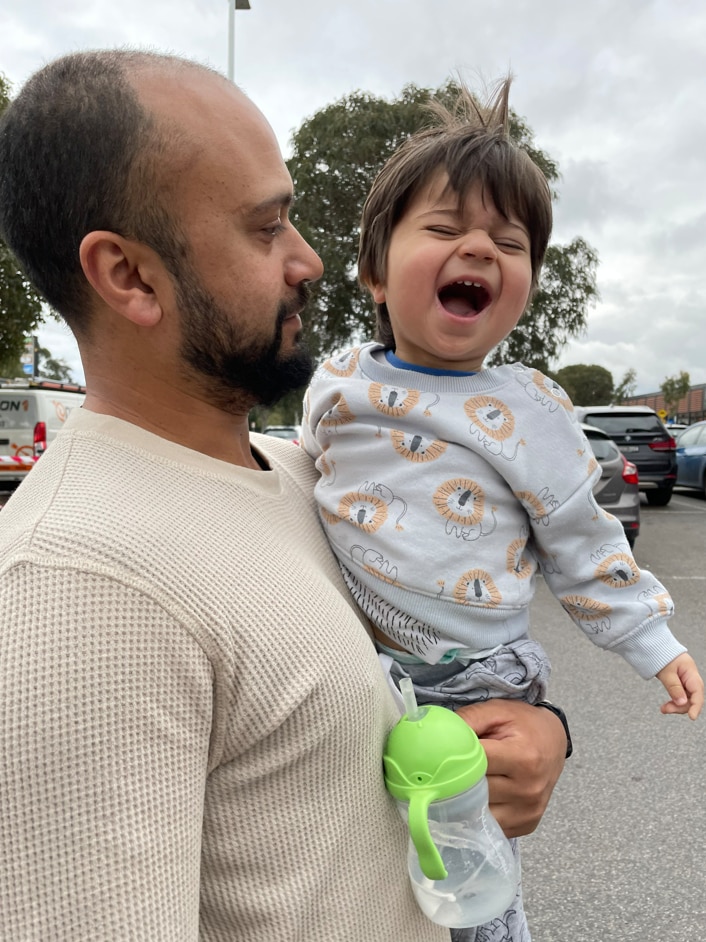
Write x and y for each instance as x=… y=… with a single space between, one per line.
x=31 y=413
x=291 y=433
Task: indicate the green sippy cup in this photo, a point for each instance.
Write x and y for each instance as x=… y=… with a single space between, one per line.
x=461 y=865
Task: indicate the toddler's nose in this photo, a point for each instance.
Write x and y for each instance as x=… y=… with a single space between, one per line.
x=477 y=243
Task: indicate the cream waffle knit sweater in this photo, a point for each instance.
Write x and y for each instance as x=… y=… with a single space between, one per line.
x=192 y=715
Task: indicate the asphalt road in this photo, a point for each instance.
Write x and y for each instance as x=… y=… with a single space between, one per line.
x=620 y=855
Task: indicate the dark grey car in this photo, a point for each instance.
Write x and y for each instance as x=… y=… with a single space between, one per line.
x=617 y=491
x=639 y=434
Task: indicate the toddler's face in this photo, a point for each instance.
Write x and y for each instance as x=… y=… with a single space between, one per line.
x=457 y=280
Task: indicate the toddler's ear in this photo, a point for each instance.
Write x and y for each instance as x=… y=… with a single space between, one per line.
x=378 y=293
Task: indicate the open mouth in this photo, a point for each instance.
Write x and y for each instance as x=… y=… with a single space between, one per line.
x=464 y=298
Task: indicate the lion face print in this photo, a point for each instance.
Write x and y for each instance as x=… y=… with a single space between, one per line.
x=518 y=563
x=584 y=609
x=538 y=506
x=476 y=587
x=339 y=414
x=392 y=400
x=551 y=390
x=365 y=511
x=343 y=365
x=544 y=390
x=417 y=448
x=618 y=571
x=491 y=416
x=460 y=500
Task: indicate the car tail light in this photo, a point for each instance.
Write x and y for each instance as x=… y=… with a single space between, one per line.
x=669 y=445
x=630 y=475
x=40 y=439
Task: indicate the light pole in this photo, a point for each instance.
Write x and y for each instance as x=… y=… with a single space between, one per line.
x=233 y=5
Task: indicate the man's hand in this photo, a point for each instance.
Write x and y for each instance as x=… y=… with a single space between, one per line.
x=526 y=747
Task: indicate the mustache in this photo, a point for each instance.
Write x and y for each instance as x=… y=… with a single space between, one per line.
x=297 y=303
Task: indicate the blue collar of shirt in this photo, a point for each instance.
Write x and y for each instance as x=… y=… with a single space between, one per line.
x=394 y=360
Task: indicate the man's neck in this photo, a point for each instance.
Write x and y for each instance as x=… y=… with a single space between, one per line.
x=185 y=421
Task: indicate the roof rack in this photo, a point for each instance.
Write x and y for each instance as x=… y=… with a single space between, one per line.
x=41 y=384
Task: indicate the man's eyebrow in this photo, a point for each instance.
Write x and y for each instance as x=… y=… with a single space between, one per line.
x=278 y=202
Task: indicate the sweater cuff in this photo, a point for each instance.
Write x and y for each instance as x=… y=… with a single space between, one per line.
x=650 y=648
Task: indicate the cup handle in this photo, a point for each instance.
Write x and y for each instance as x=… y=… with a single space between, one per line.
x=430 y=861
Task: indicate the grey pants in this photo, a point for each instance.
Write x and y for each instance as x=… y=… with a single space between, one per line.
x=516 y=671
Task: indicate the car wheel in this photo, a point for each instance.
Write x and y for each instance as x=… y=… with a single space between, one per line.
x=660 y=497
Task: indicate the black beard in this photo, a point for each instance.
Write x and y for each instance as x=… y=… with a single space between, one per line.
x=242 y=371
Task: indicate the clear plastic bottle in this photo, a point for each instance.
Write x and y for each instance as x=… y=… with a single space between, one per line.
x=461 y=865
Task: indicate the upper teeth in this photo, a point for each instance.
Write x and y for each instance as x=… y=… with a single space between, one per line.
x=472 y=284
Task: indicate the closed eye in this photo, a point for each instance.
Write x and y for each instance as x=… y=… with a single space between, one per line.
x=511 y=244
x=443 y=230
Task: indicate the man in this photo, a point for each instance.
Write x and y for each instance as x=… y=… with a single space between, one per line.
x=192 y=712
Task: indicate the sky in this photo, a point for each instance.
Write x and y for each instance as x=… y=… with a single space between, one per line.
x=613 y=89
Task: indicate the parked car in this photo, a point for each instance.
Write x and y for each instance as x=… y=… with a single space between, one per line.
x=617 y=491
x=691 y=457
x=31 y=413
x=290 y=432
x=643 y=439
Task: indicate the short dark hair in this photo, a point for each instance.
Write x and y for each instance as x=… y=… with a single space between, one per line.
x=79 y=153
x=470 y=141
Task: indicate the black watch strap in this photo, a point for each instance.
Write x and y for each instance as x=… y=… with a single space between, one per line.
x=558 y=712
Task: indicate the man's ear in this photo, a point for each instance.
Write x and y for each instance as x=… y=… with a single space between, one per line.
x=127 y=275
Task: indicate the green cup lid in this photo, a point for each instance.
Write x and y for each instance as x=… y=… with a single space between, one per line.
x=434 y=756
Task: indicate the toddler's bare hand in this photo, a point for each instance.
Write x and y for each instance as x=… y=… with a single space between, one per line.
x=685 y=686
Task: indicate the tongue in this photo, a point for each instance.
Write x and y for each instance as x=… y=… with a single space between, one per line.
x=459 y=306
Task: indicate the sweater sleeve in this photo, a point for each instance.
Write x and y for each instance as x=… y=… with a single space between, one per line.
x=587 y=564
x=308 y=438
x=110 y=714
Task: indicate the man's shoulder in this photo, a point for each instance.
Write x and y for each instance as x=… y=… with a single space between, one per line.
x=285 y=456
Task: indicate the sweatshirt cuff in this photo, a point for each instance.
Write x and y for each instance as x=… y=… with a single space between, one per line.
x=650 y=648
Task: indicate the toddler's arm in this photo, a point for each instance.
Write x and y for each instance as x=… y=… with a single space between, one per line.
x=685 y=686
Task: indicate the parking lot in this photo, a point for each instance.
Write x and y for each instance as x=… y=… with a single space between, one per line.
x=621 y=854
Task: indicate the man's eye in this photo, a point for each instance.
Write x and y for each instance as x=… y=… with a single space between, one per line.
x=275 y=228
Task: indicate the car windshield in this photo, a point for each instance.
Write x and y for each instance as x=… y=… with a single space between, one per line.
x=603 y=448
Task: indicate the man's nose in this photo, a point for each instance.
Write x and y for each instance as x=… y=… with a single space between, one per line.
x=304 y=264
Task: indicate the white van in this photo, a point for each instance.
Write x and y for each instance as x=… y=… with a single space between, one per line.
x=31 y=413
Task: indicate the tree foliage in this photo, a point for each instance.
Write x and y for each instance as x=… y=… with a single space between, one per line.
x=50 y=367
x=335 y=156
x=558 y=310
x=586 y=384
x=626 y=387
x=20 y=304
x=674 y=388
x=46 y=367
